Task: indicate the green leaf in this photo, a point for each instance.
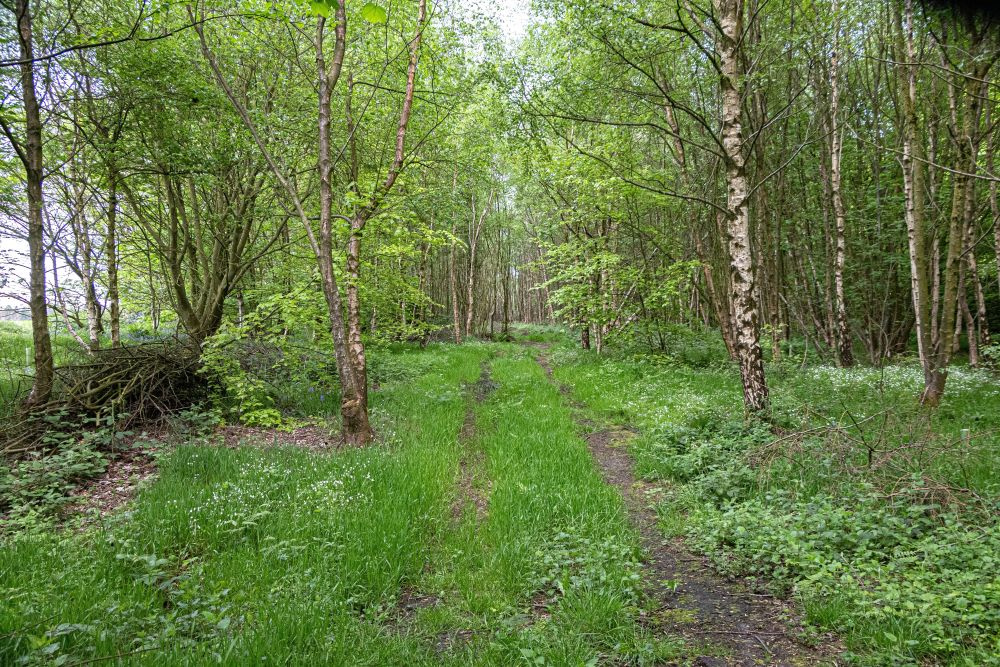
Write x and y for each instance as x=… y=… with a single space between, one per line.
x=374 y=13
x=321 y=7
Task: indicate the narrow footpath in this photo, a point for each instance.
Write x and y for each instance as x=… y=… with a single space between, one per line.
x=737 y=626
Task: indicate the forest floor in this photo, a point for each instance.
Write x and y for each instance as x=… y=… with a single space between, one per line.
x=692 y=600
x=525 y=503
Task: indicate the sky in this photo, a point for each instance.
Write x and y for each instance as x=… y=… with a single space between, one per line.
x=514 y=16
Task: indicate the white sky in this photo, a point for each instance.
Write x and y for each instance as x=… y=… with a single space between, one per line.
x=514 y=16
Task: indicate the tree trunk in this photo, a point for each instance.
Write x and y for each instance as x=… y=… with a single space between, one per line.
x=84 y=248
x=456 y=315
x=31 y=157
x=360 y=431
x=111 y=257
x=505 y=267
x=844 y=352
x=994 y=200
x=744 y=306
x=913 y=189
x=475 y=229
x=348 y=349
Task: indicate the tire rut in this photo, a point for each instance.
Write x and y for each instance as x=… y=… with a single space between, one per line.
x=473 y=460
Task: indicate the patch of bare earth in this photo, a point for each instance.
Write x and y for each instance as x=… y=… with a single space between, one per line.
x=129 y=468
x=472 y=463
x=116 y=486
x=690 y=599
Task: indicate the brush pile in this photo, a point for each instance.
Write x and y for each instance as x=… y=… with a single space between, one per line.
x=123 y=386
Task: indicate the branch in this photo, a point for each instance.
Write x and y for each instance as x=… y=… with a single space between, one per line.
x=130 y=37
x=252 y=128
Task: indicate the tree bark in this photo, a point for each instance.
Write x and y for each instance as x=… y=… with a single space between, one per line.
x=845 y=354
x=31 y=157
x=356 y=428
x=456 y=316
x=913 y=189
x=475 y=229
x=729 y=14
x=111 y=257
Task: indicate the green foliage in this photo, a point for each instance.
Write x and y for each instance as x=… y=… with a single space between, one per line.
x=34 y=488
x=263 y=373
x=690 y=347
x=322 y=7
x=573 y=562
x=374 y=13
x=708 y=453
x=899 y=577
x=887 y=550
x=243 y=393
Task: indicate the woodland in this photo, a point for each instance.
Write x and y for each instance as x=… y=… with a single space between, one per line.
x=524 y=333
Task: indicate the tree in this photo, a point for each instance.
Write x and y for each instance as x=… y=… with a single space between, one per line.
x=29 y=152
x=729 y=15
x=343 y=305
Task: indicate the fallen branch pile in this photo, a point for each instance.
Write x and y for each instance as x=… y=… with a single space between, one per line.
x=127 y=385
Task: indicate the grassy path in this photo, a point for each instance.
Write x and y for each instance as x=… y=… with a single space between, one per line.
x=477 y=531
x=548 y=575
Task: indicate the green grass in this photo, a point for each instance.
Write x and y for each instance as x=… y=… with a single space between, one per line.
x=539 y=333
x=881 y=520
x=244 y=555
x=250 y=553
x=237 y=555
x=555 y=535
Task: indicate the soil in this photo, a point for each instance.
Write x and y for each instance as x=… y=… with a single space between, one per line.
x=736 y=626
x=473 y=459
x=116 y=486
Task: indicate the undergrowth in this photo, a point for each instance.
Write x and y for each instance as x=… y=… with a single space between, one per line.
x=879 y=516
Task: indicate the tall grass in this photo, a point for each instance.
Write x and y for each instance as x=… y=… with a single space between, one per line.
x=248 y=554
x=550 y=574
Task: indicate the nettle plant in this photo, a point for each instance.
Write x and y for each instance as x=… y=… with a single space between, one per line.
x=35 y=487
